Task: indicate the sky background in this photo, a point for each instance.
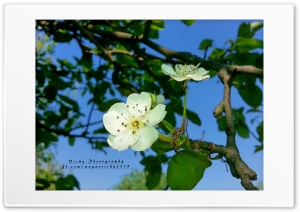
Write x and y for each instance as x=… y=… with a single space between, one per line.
x=202 y=98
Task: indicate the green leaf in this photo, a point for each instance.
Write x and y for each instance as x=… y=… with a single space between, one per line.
x=124 y=91
x=152 y=170
x=66 y=64
x=251 y=94
x=43 y=183
x=193 y=117
x=161 y=147
x=222 y=123
x=45 y=137
x=242 y=130
x=86 y=61
x=100 y=145
x=67 y=183
x=127 y=60
x=245 y=31
x=106 y=105
x=170 y=118
x=259 y=148
x=153 y=175
x=71 y=141
x=249 y=44
x=188 y=22
x=205 y=44
x=69 y=101
x=52 y=118
x=216 y=54
x=158 y=24
x=62 y=36
x=260 y=131
x=186 y=169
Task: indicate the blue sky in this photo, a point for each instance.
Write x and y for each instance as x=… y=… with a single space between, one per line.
x=202 y=98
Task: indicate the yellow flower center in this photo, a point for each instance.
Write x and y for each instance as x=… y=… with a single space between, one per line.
x=135 y=123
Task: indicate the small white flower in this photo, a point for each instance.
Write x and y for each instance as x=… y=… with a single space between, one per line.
x=185 y=72
x=132 y=124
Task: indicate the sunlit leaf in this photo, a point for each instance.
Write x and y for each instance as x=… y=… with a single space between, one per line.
x=186 y=169
x=249 y=44
x=255 y=26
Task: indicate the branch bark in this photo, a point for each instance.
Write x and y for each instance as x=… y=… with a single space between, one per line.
x=186 y=57
x=238 y=167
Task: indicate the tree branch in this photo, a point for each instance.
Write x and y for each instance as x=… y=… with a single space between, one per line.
x=238 y=167
x=66 y=133
x=236 y=164
x=186 y=57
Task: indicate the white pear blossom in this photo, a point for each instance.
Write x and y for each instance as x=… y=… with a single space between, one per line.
x=185 y=72
x=132 y=124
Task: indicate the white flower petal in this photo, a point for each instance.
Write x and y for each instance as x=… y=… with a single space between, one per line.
x=138 y=104
x=198 y=77
x=160 y=99
x=168 y=70
x=123 y=141
x=147 y=137
x=110 y=140
x=153 y=117
x=179 y=78
x=115 y=122
x=201 y=71
x=120 y=108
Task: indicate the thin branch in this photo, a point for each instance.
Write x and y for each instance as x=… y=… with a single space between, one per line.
x=93 y=39
x=65 y=133
x=89 y=117
x=82 y=126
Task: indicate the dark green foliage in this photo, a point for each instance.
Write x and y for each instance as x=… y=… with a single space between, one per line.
x=153 y=170
x=67 y=183
x=205 y=44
